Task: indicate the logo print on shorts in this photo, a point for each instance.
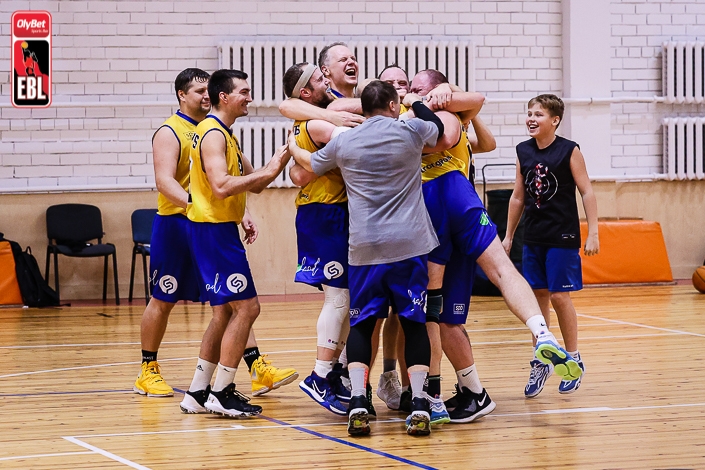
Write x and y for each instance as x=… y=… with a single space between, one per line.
x=168 y=284
x=236 y=283
x=458 y=309
x=333 y=270
x=354 y=312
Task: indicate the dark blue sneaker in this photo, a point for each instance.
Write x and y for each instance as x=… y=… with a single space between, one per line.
x=549 y=352
x=540 y=372
x=335 y=379
x=319 y=389
x=358 y=419
x=570 y=386
x=418 y=423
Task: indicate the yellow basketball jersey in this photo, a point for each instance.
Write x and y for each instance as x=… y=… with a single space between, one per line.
x=326 y=189
x=203 y=206
x=456 y=158
x=183 y=128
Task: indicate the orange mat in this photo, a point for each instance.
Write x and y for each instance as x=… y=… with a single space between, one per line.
x=631 y=251
x=9 y=289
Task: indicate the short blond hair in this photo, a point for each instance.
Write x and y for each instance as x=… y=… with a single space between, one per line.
x=551 y=103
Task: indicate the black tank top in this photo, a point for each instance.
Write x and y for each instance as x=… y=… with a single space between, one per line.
x=549 y=204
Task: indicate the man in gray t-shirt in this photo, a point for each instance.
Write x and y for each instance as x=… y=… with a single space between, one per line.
x=390 y=236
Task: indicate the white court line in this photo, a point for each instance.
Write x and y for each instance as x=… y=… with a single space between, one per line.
x=36 y=456
x=107 y=454
x=599 y=409
x=620 y=322
x=85 y=345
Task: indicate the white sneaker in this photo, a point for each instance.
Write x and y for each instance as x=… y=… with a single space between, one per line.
x=389 y=389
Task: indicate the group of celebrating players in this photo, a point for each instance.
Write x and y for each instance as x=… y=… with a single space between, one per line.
x=388 y=225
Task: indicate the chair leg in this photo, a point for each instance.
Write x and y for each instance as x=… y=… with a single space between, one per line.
x=132 y=274
x=146 y=278
x=46 y=271
x=105 y=278
x=115 y=275
x=56 y=274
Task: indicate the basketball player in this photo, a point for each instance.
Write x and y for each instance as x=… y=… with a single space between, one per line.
x=460 y=220
x=322 y=237
x=387 y=261
x=219 y=180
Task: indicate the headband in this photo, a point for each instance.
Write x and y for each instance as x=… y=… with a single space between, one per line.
x=303 y=80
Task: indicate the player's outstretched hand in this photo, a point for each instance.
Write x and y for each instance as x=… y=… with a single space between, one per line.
x=282 y=156
x=346 y=119
x=592 y=245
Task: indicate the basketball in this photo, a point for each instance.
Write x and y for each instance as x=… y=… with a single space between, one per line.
x=699 y=279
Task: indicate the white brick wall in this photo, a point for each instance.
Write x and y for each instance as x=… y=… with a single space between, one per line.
x=132 y=50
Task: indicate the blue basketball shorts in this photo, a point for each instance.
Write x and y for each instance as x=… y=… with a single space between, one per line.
x=322 y=241
x=457 y=288
x=173 y=274
x=553 y=268
x=458 y=216
x=401 y=285
x=222 y=261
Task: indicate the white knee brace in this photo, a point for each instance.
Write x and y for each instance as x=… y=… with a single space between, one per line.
x=333 y=316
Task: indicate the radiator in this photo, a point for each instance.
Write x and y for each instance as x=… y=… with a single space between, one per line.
x=266 y=61
x=259 y=140
x=683 y=71
x=684 y=148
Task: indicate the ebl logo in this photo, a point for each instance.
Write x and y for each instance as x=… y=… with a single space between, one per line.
x=31 y=59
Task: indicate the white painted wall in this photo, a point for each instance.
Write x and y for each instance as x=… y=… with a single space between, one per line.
x=132 y=50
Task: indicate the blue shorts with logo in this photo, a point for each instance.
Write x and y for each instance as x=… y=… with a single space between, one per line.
x=222 y=261
x=173 y=275
x=553 y=268
x=401 y=285
x=458 y=216
x=322 y=240
x=457 y=288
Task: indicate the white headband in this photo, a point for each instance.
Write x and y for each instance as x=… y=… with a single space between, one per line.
x=303 y=80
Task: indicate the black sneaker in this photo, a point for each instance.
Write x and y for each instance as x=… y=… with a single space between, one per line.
x=370 y=408
x=452 y=402
x=471 y=406
x=358 y=417
x=230 y=402
x=337 y=385
x=194 y=402
x=418 y=423
x=405 y=401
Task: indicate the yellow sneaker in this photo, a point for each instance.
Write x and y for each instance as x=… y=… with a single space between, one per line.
x=151 y=383
x=266 y=377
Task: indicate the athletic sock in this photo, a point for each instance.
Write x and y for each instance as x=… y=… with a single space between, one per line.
x=470 y=379
x=224 y=377
x=149 y=356
x=203 y=375
x=343 y=358
x=537 y=325
x=417 y=379
x=358 y=380
x=251 y=355
x=575 y=354
x=323 y=367
x=434 y=386
x=389 y=364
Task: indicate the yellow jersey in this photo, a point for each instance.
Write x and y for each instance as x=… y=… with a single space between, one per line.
x=326 y=189
x=183 y=128
x=203 y=206
x=456 y=158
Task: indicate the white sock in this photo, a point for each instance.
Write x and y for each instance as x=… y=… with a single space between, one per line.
x=470 y=379
x=537 y=325
x=203 y=375
x=358 y=379
x=323 y=367
x=575 y=354
x=343 y=359
x=224 y=377
x=417 y=379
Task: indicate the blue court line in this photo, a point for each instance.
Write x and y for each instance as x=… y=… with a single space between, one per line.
x=39 y=394
x=350 y=444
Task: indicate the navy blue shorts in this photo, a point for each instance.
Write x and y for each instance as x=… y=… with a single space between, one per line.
x=457 y=288
x=174 y=275
x=322 y=240
x=459 y=218
x=222 y=261
x=552 y=268
x=401 y=285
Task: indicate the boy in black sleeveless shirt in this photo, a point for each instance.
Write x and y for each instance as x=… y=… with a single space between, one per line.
x=549 y=168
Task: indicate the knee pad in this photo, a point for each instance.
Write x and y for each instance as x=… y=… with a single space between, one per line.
x=333 y=316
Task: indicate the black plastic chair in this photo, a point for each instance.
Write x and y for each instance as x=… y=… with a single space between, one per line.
x=70 y=228
x=142 y=220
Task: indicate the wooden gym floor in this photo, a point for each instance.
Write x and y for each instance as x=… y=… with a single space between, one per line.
x=66 y=398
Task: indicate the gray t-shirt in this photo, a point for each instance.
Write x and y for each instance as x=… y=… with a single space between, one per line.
x=381 y=165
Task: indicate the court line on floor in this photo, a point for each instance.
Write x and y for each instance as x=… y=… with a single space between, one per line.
x=86 y=345
x=640 y=325
x=84 y=392
x=37 y=456
x=352 y=444
x=107 y=454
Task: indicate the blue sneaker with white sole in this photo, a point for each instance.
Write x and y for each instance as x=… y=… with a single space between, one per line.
x=570 y=386
x=319 y=389
x=540 y=372
x=549 y=351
